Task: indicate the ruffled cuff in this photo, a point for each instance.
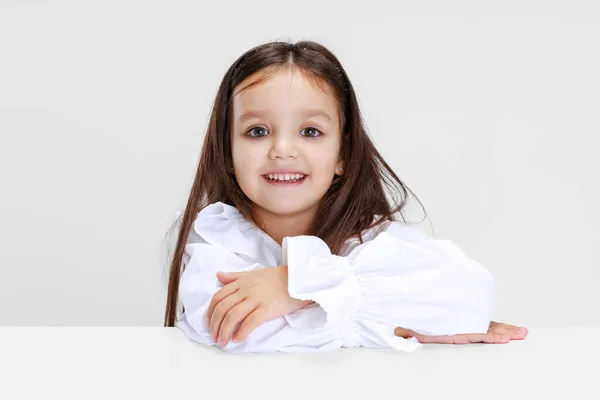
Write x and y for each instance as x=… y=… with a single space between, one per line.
x=328 y=280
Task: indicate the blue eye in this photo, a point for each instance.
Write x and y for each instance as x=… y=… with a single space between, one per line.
x=313 y=129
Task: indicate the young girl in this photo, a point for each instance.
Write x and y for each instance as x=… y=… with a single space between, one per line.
x=288 y=240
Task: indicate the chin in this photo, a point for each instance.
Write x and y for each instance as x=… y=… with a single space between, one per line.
x=283 y=206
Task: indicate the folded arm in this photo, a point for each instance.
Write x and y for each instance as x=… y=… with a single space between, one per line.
x=396 y=280
x=399 y=279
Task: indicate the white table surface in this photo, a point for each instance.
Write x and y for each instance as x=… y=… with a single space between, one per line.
x=138 y=362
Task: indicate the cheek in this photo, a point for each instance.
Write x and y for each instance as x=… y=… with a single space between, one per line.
x=322 y=169
x=324 y=159
x=235 y=150
x=247 y=158
x=240 y=153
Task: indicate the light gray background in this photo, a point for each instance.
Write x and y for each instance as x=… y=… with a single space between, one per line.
x=489 y=113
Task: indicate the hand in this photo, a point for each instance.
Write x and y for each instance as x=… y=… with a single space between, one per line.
x=250 y=298
x=497 y=333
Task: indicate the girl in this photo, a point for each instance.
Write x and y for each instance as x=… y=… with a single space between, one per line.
x=288 y=240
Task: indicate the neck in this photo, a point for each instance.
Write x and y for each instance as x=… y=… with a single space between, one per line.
x=279 y=226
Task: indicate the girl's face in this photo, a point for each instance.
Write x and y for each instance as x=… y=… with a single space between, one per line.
x=281 y=128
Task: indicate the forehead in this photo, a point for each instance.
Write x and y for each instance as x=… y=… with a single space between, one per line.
x=283 y=91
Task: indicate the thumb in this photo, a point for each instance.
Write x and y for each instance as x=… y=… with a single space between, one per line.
x=228 y=277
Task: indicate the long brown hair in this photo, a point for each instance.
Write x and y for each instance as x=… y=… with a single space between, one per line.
x=353 y=199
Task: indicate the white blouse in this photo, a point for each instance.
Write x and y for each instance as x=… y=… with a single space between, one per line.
x=398 y=277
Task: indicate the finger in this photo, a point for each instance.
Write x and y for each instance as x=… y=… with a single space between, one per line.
x=497 y=338
x=518 y=333
x=221 y=294
x=441 y=339
x=524 y=331
x=467 y=338
x=251 y=322
x=512 y=331
x=234 y=316
x=455 y=339
x=228 y=277
x=490 y=337
x=220 y=311
x=497 y=327
x=407 y=334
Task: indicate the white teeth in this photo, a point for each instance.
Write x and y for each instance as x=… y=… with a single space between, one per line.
x=285 y=177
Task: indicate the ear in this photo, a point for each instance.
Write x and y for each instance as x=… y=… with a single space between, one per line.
x=339 y=169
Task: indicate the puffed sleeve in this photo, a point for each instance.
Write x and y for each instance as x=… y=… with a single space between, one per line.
x=210 y=248
x=198 y=284
x=401 y=278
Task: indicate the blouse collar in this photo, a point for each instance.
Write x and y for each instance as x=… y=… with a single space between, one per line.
x=224 y=225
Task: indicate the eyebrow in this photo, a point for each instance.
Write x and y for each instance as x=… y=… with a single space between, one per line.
x=305 y=112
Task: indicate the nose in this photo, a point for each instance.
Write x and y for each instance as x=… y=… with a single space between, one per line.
x=283 y=145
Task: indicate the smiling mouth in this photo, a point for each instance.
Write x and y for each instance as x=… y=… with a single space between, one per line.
x=285 y=179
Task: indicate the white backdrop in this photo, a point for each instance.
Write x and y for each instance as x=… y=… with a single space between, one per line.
x=488 y=113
